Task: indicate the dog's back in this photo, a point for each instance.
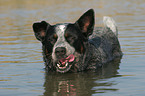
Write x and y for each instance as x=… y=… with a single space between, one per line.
x=105 y=40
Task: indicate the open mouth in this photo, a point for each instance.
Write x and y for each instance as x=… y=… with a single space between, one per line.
x=65 y=64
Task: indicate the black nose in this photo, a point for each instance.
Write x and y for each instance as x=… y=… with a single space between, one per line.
x=60 y=51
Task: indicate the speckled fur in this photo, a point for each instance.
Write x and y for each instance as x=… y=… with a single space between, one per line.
x=98 y=48
x=103 y=46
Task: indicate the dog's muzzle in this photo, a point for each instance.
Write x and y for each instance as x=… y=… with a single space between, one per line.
x=64 y=64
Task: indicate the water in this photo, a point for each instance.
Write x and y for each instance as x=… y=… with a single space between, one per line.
x=21 y=66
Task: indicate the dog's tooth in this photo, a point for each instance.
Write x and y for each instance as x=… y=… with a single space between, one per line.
x=58 y=65
x=62 y=67
x=66 y=64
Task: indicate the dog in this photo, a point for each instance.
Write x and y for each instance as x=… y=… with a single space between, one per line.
x=75 y=47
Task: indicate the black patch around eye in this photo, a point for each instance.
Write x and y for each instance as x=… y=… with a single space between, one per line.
x=51 y=36
x=76 y=42
x=49 y=42
x=75 y=38
x=70 y=38
x=52 y=39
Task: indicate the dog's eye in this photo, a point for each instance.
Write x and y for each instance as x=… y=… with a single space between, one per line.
x=52 y=39
x=70 y=38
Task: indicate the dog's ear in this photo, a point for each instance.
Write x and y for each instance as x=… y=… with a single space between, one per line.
x=40 y=29
x=86 y=23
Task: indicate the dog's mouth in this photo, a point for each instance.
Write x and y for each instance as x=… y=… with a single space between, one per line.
x=65 y=64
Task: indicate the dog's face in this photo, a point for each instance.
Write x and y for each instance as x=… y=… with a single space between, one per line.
x=65 y=43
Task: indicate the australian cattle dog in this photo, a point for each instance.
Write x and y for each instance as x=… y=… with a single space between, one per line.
x=74 y=47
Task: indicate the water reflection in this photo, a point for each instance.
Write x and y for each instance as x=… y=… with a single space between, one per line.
x=21 y=59
x=83 y=83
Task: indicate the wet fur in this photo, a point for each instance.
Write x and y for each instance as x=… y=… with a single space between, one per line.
x=92 y=48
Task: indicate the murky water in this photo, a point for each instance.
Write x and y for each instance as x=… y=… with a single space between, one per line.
x=21 y=64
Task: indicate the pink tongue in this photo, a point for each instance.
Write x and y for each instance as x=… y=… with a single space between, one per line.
x=70 y=58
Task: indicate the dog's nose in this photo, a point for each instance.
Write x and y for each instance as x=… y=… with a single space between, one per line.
x=60 y=51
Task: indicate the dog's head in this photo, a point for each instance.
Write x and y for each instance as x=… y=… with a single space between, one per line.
x=64 y=43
